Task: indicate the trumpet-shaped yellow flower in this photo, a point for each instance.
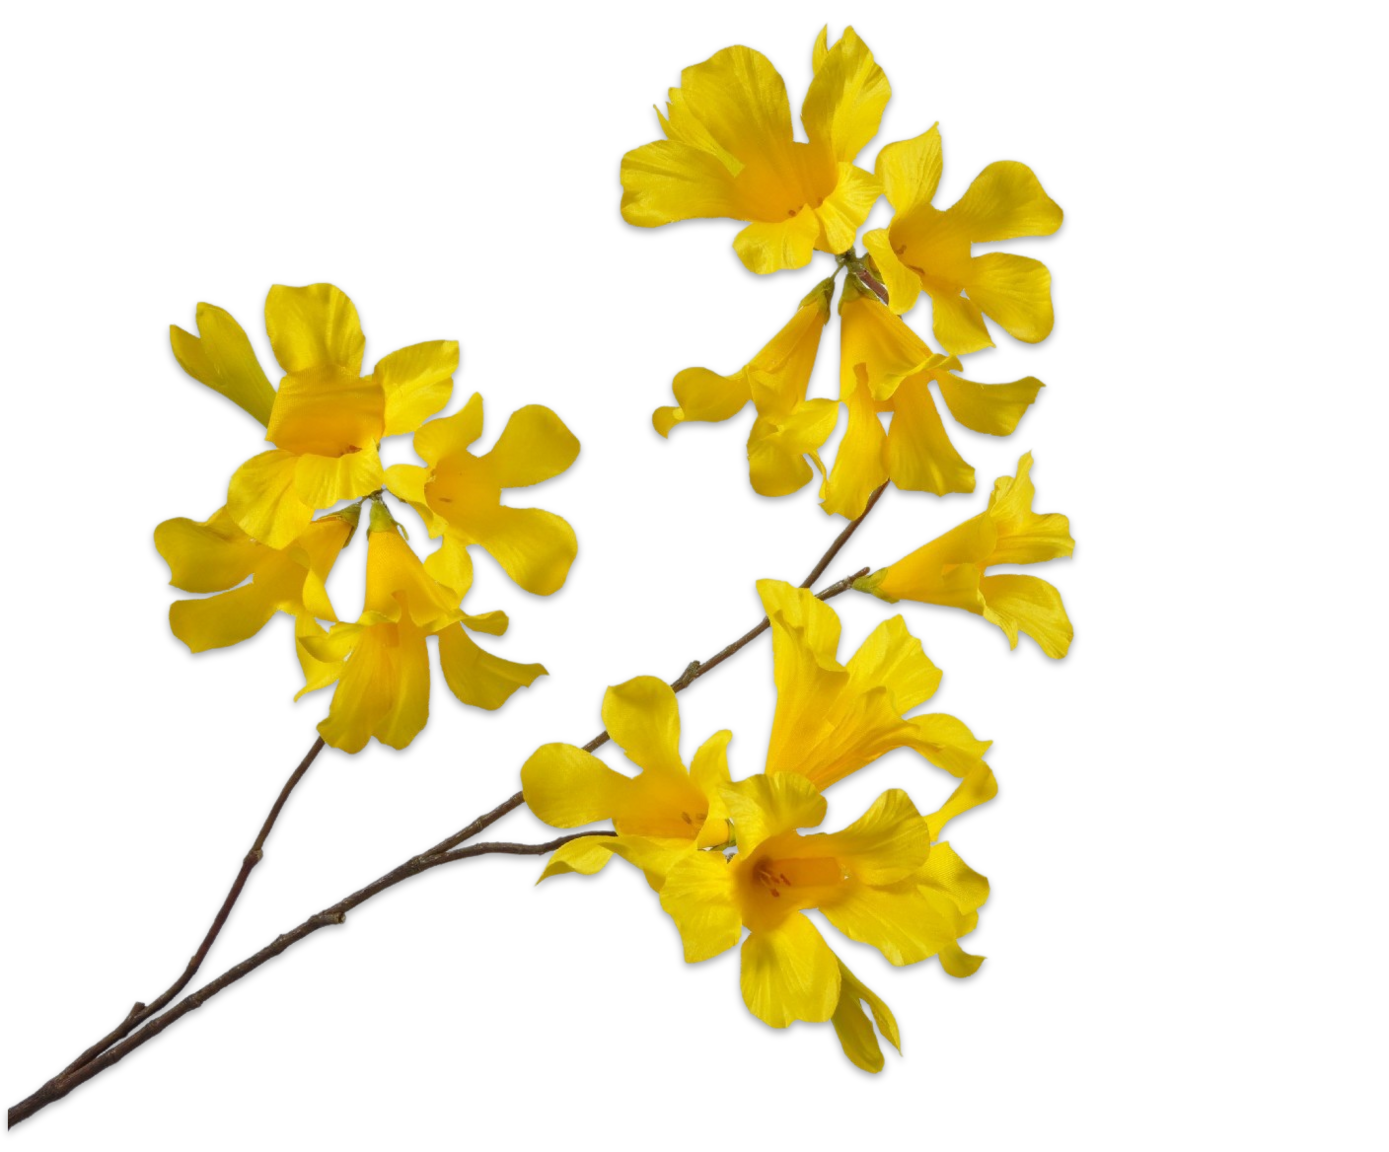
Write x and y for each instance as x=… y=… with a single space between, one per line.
x=788 y=426
x=886 y=367
x=730 y=152
x=660 y=815
x=880 y=882
x=380 y=664
x=216 y=556
x=926 y=249
x=459 y=496
x=952 y=570
x=325 y=418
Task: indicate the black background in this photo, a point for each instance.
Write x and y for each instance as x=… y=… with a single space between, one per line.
x=477 y=198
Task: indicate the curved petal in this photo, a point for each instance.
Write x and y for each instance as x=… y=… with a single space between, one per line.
x=261 y=498
x=842 y=213
x=409 y=710
x=322 y=481
x=585 y=856
x=957 y=962
x=1025 y=536
x=903 y=922
x=920 y=456
x=860 y=467
x=910 y=169
x=450 y=435
x=764 y=806
x=317 y=673
x=316 y=550
x=945 y=571
x=314 y=327
x=770 y=247
x=949 y=875
x=957 y=322
x=902 y=283
x=789 y=974
x=643 y=719
x=670 y=180
x=877 y=347
x=698 y=894
x=893 y=659
x=222 y=620
x=978 y=787
x=994 y=409
x=1015 y=291
x=778 y=446
x=221 y=357
x=210 y=556
x=1027 y=604
x=395 y=577
x=477 y=677
x=535 y=548
x=534 y=446
x=366 y=688
x=844 y=103
x=948 y=743
x=887 y=843
x=416 y=381
x=852 y=1026
x=1006 y=200
x=566 y=786
x=740 y=100
x=451 y=566
x=703 y=395
x=709 y=773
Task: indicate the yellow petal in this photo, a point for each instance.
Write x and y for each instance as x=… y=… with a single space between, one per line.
x=585 y=856
x=945 y=571
x=450 y=435
x=852 y=1026
x=210 y=556
x=770 y=247
x=222 y=620
x=902 y=283
x=451 y=566
x=844 y=104
x=494 y=623
x=698 y=894
x=1015 y=291
x=1024 y=536
x=991 y=408
x=314 y=327
x=910 y=169
x=789 y=974
x=740 y=99
x=920 y=457
x=322 y=481
x=957 y=962
x=842 y=213
x=477 y=677
x=317 y=673
x=317 y=549
x=978 y=787
x=261 y=498
x=534 y=446
x=1027 y=604
x=656 y=856
x=905 y=923
x=416 y=381
x=703 y=395
x=395 y=576
x=778 y=446
x=1006 y=200
x=327 y=412
x=892 y=659
x=566 y=786
x=777 y=377
x=949 y=875
x=671 y=180
x=409 y=710
x=221 y=357
x=764 y=806
x=877 y=347
x=534 y=547
x=709 y=773
x=948 y=743
x=860 y=465
x=643 y=719
x=958 y=323
x=887 y=843
x=365 y=694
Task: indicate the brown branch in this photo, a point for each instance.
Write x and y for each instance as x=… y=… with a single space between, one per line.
x=142 y=1012
x=61 y=1085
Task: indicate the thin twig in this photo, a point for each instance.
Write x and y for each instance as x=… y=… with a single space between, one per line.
x=142 y=1012
x=60 y=1086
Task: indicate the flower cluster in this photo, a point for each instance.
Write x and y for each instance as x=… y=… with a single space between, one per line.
x=730 y=856
x=268 y=550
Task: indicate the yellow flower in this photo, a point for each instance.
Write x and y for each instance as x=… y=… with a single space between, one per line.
x=380 y=664
x=730 y=152
x=881 y=882
x=662 y=813
x=927 y=249
x=326 y=418
x=459 y=496
x=788 y=426
x=830 y=720
x=886 y=367
x=216 y=555
x=952 y=569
